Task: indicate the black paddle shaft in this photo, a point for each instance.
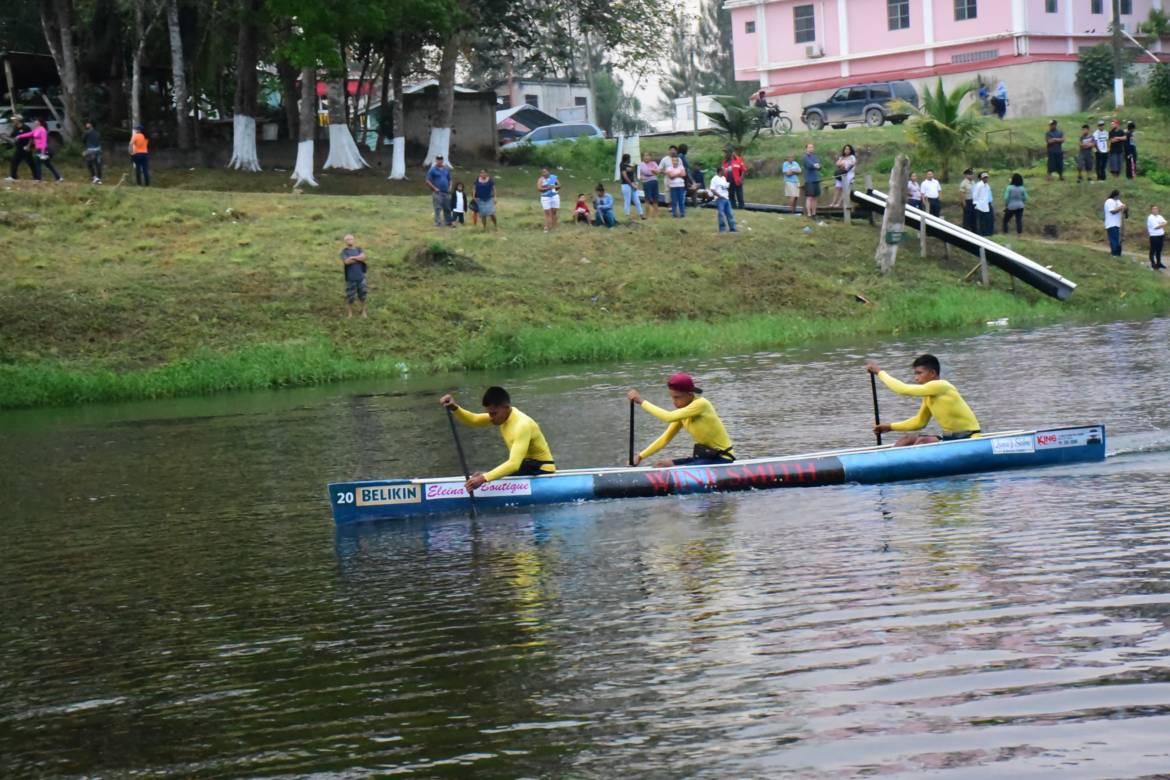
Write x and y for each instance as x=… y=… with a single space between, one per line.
x=462 y=457
x=631 y=433
x=877 y=418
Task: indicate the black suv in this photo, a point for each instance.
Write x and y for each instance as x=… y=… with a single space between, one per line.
x=868 y=103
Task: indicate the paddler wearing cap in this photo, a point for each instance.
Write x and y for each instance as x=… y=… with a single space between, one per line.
x=697 y=415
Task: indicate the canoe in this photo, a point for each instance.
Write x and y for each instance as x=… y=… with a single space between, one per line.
x=397 y=498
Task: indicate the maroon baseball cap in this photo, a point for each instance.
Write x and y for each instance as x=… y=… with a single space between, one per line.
x=682 y=383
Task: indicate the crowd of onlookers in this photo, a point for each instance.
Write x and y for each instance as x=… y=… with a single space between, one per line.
x=30 y=146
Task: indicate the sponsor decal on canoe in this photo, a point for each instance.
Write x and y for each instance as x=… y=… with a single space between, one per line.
x=732 y=477
x=1077 y=437
x=437 y=491
x=1012 y=445
x=384 y=495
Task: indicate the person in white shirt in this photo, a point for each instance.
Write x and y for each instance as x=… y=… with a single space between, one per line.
x=1114 y=211
x=720 y=188
x=931 y=189
x=1156 y=227
x=1101 y=137
x=982 y=201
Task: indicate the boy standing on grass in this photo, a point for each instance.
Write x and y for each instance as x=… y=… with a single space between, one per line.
x=353 y=260
x=722 y=193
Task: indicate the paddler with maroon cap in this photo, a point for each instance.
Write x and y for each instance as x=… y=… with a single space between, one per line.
x=697 y=415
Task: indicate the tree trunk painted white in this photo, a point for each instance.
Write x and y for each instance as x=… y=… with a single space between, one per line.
x=303 y=170
x=894 y=216
x=178 y=76
x=440 y=143
x=343 y=151
x=398 y=115
x=244 y=155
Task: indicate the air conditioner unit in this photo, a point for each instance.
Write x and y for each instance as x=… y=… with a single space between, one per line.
x=812 y=51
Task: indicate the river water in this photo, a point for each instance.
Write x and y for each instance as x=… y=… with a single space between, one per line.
x=177 y=601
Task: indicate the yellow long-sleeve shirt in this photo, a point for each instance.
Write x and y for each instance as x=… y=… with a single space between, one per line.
x=940 y=400
x=700 y=420
x=522 y=436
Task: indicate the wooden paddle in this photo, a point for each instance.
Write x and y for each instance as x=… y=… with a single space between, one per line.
x=877 y=417
x=462 y=457
x=631 y=433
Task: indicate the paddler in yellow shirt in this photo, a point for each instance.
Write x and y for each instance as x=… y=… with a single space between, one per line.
x=940 y=400
x=528 y=452
x=697 y=415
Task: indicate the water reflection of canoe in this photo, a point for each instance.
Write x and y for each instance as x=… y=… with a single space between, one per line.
x=355 y=501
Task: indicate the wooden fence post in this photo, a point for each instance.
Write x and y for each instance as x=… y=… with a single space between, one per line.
x=983 y=272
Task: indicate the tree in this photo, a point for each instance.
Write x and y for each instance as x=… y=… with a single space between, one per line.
x=735 y=122
x=244 y=156
x=178 y=76
x=343 y=152
x=1095 y=72
x=57 y=20
x=701 y=63
x=1160 y=85
x=146 y=15
x=894 y=215
x=941 y=125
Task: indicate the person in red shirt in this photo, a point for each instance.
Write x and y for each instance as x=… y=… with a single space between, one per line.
x=733 y=170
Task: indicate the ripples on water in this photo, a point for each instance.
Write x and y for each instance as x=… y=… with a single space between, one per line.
x=176 y=601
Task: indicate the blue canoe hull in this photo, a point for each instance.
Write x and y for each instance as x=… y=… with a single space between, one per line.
x=389 y=498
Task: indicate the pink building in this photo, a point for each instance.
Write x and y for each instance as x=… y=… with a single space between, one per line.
x=803 y=49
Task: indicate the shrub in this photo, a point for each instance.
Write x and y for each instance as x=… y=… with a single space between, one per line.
x=1159 y=85
x=593 y=155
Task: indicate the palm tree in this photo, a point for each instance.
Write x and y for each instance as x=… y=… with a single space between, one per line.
x=735 y=122
x=941 y=126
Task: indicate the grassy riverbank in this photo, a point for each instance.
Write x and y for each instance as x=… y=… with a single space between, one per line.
x=123 y=293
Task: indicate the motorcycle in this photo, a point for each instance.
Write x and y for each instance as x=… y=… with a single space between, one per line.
x=775 y=119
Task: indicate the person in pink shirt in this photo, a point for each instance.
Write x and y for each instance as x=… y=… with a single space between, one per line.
x=41 y=156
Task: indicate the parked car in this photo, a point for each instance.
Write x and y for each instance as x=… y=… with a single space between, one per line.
x=868 y=103
x=565 y=131
x=31 y=114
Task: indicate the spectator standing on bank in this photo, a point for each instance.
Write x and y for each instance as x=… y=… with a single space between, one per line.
x=1116 y=148
x=353 y=260
x=1101 y=154
x=676 y=182
x=812 y=180
x=734 y=169
x=1130 y=151
x=458 y=204
x=999 y=101
x=722 y=192
x=485 y=199
x=91 y=143
x=603 y=208
x=1014 y=198
x=629 y=178
x=1085 y=146
x=671 y=151
x=140 y=155
x=1054 y=142
x=965 y=188
x=846 y=163
x=931 y=189
x=913 y=191
x=791 y=172
x=648 y=177
x=549 y=187
x=1156 y=227
x=1114 y=213
x=22 y=150
x=439 y=182
x=982 y=201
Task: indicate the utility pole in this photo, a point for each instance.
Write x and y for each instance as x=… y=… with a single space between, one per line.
x=1118 y=77
x=694 y=83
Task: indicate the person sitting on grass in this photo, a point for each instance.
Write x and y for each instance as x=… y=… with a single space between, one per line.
x=603 y=208
x=528 y=451
x=940 y=400
x=581 y=210
x=353 y=259
x=697 y=415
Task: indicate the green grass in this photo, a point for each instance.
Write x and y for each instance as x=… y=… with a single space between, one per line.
x=118 y=293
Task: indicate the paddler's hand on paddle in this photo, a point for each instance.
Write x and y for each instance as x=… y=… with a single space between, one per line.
x=882 y=428
x=637 y=459
x=448 y=401
x=476 y=480
x=872 y=367
x=636 y=398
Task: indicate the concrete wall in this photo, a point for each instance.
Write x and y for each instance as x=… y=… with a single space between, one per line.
x=473 y=131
